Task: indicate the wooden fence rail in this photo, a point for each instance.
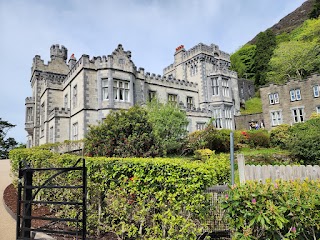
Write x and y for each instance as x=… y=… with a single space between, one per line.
x=264 y=172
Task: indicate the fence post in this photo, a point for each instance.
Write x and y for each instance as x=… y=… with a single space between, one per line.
x=241 y=166
x=27 y=198
x=232 y=157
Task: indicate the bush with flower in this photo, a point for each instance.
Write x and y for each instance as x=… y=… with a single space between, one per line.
x=280 y=210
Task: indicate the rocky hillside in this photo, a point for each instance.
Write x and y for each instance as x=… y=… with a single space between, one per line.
x=292 y=20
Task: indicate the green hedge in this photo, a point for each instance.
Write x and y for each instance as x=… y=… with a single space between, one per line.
x=281 y=210
x=137 y=198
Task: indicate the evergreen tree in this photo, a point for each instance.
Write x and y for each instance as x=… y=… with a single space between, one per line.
x=316 y=10
x=266 y=43
x=6 y=144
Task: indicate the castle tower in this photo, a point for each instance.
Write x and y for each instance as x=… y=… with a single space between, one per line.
x=57 y=52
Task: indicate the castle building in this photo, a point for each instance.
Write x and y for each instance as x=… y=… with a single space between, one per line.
x=68 y=97
x=290 y=103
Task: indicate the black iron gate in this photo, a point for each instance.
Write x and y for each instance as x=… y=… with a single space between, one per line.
x=217 y=226
x=26 y=199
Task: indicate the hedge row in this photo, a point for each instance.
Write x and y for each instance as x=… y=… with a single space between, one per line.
x=136 y=198
x=281 y=210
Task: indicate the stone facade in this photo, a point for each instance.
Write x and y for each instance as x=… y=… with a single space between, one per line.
x=290 y=103
x=67 y=98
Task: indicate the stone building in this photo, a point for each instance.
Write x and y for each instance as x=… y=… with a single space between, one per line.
x=290 y=103
x=68 y=97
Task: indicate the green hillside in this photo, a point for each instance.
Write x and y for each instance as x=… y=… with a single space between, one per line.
x=278 y=58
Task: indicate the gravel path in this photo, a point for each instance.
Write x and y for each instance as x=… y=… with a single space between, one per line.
x=7 y=223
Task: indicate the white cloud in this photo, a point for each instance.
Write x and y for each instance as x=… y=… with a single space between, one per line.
x=150 y=29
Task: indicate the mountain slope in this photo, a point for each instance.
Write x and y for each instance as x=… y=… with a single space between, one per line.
x=292 y=20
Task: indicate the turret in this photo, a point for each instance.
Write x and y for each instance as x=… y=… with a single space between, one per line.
x=57 y=52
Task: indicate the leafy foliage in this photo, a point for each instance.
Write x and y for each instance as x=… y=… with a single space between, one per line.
x=6 y=144
x=293 y=59
x=281 y=210
x=305 y=141
x=255 y=138
x=242 y=61
x=289 y=55
x=210 y=138
x=279 y=136
x=169 y=124
x=137 y=198
x=123 y=134
x=266 y=43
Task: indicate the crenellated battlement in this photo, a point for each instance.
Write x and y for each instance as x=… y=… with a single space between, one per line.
x=203 y=48
x=29 y=101
x=163 y=80
x=58 y=52
x=59 y=112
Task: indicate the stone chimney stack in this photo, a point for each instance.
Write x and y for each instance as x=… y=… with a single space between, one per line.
x=72 y=61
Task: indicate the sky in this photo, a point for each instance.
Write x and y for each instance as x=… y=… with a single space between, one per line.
x=150 y=29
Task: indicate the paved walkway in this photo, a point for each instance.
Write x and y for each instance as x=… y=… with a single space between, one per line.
x=7 y=223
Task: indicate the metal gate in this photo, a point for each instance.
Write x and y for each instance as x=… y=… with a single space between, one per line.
x=217 y=226
x=27 y=192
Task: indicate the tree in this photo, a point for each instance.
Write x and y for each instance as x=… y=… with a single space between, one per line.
x=242 y=61
x=124 y=133
x=266 y=43
x=293 y=59
x=6 y=144
x=315 y=12
x=169 y=124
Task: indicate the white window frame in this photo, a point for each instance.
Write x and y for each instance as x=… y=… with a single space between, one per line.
x=51 y=135
x=276 y=117
x=316 y=90
x=75 y=131
x=105 y=88
x=215 y=86
x=225 y=87
x=228 y=117
x=65 y=104
x=75 y=96
x=29 y=114
x=273 y=98
x=295 y=94
x=318 y=109
x=217 y=117
x=121 y=90
x=298 y=114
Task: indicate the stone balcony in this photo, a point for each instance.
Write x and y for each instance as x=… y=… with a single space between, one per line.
x=29 y=127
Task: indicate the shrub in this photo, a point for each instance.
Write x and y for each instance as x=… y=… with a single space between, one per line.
x=137 y=198
x=305 y=141
x=258 y=138
x=280 y=135
x=281 y=210
x=123 y=134
x=203 y=154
